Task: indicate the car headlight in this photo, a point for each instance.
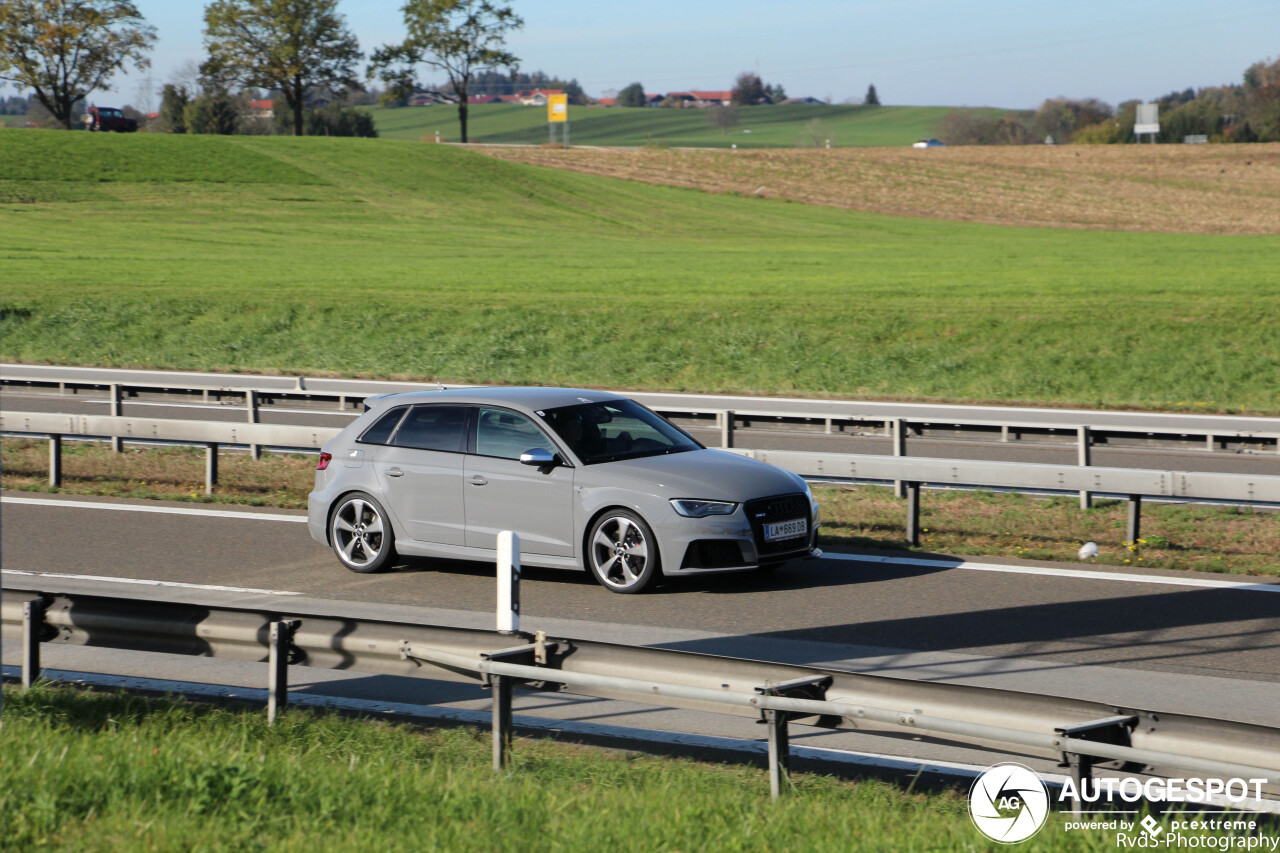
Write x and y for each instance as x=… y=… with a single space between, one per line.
x=693 y=508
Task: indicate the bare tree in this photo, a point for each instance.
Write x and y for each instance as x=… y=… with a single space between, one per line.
x=65 y=49
x=459 y=37
x=723 y=118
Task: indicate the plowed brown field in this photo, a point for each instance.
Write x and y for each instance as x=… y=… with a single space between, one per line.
x=1204 y=189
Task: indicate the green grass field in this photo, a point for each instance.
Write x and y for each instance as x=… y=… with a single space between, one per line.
x=394 y=258
x=101 y=772
x=786 y=126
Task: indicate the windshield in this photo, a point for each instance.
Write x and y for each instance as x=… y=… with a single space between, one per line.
x=616 y=429
x=109 y=113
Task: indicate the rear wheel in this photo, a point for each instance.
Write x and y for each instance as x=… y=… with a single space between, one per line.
x=622 y=552
x=361 y=534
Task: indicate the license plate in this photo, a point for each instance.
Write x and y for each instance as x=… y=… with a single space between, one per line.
x=785 y=530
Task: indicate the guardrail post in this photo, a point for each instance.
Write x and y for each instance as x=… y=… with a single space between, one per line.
x=1135 y=517
x=807 y=687
x=726 y=429
x=1113 y=730
x=501 y=721
x=779 y=751
x=55 y=461
x=913 y=513
x=1082 y=454
x=899 y=449
x=117 y=410
x=251 y=403
x=280 y=639
x=508 y=582
x=32 y=625
x=210 y=467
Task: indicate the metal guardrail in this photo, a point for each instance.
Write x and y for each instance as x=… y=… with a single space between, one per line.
x=1072 y=432
x=1134 y=483
x=1080 y=733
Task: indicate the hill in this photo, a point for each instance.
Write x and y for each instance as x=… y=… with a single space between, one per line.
x=783 y=126
x=401 y=259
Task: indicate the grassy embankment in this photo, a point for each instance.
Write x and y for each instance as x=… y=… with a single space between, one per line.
x=1198 y=538
x=789 y=126
x=88 y=772
x=398 y=259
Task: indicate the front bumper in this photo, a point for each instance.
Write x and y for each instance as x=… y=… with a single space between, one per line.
x=729 y=544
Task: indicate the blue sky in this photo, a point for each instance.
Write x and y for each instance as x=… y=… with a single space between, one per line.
x=1006 y=53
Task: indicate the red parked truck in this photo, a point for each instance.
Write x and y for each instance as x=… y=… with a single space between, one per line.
x=109 y=118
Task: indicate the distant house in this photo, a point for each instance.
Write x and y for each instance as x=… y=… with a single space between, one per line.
x=486 y=99
x=711 y=99
x=536 y=97
x=261 y=109
x=426 y=99
x=606 y=102
x=804 y=101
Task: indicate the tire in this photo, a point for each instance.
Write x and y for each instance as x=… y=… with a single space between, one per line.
x=361 y=534
x=622 y=552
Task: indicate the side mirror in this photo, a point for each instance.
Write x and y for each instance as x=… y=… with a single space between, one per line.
x=539 y=457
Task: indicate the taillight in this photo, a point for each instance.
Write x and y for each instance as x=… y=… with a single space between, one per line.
x=324 y=461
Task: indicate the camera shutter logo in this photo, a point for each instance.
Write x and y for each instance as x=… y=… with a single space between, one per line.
x=1008 y=803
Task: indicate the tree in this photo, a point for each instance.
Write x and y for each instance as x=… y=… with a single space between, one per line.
x=459 y=37
x=723 y=118
x=872 y=99
x=173 y=105
x=215 y=111
x=776 y=93
x=65 y=49
x=748 y=90
x=632 y=96
x=290 y=45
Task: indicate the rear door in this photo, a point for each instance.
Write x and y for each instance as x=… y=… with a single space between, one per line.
x=420 y=471
x=504 y=494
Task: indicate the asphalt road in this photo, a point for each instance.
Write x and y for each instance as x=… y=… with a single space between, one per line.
x=1129 y=638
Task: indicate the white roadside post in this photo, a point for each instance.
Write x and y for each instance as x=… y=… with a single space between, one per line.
x=508 y=623
x=508 y=582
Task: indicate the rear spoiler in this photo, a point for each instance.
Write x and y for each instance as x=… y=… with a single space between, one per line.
x=371 y=402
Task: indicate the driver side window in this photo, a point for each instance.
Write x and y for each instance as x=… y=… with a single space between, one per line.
x=506 y=435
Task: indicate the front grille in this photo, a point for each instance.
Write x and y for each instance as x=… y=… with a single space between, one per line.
x=764 y=511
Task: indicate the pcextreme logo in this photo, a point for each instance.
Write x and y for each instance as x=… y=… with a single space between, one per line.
x=1008 y=803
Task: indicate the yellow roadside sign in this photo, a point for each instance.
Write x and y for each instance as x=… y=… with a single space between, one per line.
x=557 y=107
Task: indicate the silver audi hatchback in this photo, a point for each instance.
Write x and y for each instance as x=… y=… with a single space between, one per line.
x=588 y=480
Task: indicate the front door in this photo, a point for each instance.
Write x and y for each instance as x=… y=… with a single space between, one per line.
x=501 y=493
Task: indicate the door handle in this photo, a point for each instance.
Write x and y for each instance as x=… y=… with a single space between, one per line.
x=394 y=472
x=479 y=480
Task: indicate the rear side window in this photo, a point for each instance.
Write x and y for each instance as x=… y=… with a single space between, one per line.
x=434 y=428
x=380 y=432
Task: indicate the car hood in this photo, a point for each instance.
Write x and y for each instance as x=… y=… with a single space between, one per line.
x=708 y=474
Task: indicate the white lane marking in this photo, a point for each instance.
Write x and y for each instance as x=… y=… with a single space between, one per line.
x=175 y=584
x=167 y=510
x=1121 y=577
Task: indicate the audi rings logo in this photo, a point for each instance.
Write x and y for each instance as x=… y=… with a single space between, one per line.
x=1008 y=803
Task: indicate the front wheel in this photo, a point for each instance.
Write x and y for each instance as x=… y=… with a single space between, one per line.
x=622 y=552
x=361 y=534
